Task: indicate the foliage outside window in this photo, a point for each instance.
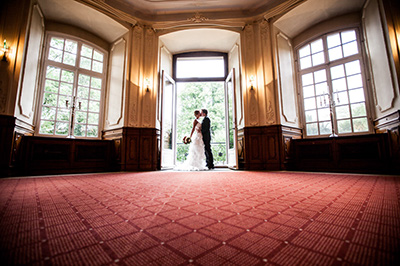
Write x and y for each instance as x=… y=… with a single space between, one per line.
x=331 y=78
x=73 y=80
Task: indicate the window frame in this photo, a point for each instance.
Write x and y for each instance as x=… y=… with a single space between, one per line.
x=77 y=71
x=327 y=65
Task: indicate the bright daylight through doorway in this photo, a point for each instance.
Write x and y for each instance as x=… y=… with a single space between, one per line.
x=197 y=95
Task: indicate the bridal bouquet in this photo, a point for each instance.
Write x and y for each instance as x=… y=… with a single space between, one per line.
x=187 y=140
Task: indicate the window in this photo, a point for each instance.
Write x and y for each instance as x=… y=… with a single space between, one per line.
x=73 y=83
x=332 y=87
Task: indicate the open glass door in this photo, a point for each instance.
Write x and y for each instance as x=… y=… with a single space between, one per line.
x=230 y=121
x=168 y=121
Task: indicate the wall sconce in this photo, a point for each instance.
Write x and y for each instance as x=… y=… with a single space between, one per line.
x=147 y=84
x=251 y=80
x=5 y=50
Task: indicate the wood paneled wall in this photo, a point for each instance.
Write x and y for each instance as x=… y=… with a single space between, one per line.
x=135 y=148
x=267 y=147
x=43 y=155
x=358 y=154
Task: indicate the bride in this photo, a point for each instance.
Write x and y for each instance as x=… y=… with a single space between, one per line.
x=196 y=158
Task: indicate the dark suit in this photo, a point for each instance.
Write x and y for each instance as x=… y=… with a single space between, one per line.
x=205 y=131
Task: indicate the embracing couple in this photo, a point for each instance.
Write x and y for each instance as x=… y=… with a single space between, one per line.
x=200 y=146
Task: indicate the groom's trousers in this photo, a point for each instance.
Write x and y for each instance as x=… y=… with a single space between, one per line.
x=209 y=155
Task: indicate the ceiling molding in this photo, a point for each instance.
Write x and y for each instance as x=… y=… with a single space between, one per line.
x=284 y=7
x=196 y=22
x=106 y=9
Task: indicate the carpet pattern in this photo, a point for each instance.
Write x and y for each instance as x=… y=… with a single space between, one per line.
x=200 y=218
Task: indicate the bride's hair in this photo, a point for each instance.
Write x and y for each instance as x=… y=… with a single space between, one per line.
x=196 y=112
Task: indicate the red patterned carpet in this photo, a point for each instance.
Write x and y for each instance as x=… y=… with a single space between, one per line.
x=201 y=218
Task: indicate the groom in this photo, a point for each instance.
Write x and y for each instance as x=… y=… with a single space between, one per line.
x=205 y=130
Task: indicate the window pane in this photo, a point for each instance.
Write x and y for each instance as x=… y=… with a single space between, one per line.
x=358 y=109
x=81 y=117
x=348 y=36
x=200 y=67
x=360 y=124
x=309 y=104
x=304 y=51
x=333 y=40
x=84 y=80
x=63 y=114
x=341 y=98
x=55 y=55
x=312 y=129
x=84 y=105
x=86 y=63
x=51 y=86
x=71 y=47
x=317 y=46
x=307 y=79
x=61 y=128
x=83 y=92
x=342 y=112
x=354 y=81
x=69 y=59
x=350 y=49
x=96 y=83
x=305 y=62
x=53 y=72
x=337 y=72
x=318 y=59
x=66 y=88
x=325 y=128
x=67 y=76
x=320 y=76
x=92 y=131
x=335 y=53
x=97 y=66
x=324 y=114
x=50 y=99
x=339 y=84
x=321 y=88
x=356 y=96
x=57 y=43
x=311 y=116
x=95 y=95
x=94 y=106
x=80 y=130
x=93 y=118
x=62 y=100
x=48 y=113
x=98 y=56
x=353 y=67
x=308 y=91
x=47 y=127
x=344 y=126
x=86 y=51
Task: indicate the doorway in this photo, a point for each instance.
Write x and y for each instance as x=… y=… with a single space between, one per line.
x=212 y=79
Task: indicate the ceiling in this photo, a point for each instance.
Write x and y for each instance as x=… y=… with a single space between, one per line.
x=79 y=15
x=74 y=13
x=157 y=10
x=200 y=40
x=312 y=12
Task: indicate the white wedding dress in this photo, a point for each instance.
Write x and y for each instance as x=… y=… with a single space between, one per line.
x=196 y=158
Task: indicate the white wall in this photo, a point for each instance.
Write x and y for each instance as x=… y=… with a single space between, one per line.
x=383 y=75
x=116 y=86
x=29 y=80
